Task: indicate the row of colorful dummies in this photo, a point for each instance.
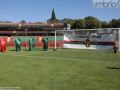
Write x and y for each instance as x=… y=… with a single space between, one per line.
x=18 y=44
x=31 y=44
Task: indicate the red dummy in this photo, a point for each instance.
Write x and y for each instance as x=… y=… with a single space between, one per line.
x=3 y=44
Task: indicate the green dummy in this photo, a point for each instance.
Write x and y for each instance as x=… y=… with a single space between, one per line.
x=31 y=44
x=45 y=42
x=18 y=44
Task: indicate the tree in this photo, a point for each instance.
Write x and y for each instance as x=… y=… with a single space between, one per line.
x=7 y=21
x=114 y=23
x=53 y=15
x=23 y=21
x=65 y=19
x=79 y=24
x=38 y=22
x=53 y=18
x=72 y=23
x=104 y=24
x=92 y=23
x=118 y=24
x=53 y=21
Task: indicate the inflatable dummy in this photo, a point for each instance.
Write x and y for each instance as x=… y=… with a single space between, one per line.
x=31 y=44
x=45 y=42
x=18 y=44
x=3 y=45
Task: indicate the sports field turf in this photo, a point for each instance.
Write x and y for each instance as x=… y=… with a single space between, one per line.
x=65 y=69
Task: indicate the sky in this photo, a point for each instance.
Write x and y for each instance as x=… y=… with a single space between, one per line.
x=41 y=10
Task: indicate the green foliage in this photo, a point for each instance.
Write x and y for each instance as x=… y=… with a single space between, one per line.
x=23 y=21
x=53 y=21
x=7 y=21
x=38 y=22
x=104 y=24
x=92 y=23
x=119 y=26
x=72 y=23
x=53 y=15
x=79 y=24
x=65 y=19
x=114 y=23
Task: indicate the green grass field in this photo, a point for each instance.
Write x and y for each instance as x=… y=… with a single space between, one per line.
x=65 y=69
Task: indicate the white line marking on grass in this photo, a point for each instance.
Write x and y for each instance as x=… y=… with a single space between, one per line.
x=59 y=58
x=6 y=54
x=19 y=55
x=12 y=54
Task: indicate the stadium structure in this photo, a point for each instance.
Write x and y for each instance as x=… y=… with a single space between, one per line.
x=27 y=30
x=48 y=27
